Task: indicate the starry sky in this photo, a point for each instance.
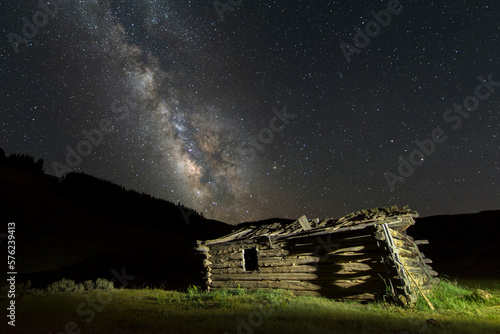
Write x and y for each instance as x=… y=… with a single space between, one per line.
x=247 y=110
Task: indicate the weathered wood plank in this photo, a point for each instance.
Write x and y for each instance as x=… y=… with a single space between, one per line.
x=324 y=287
x=289 y=285
x=405 y=253
x=354 y=267
x=290 y=261
x=411 y=261
x=323 y=242
x=325 y=239
x=433 y=272
x=327 y=277
x=364 y=255
x=406 y=245
x=202 y=248
x=328 y=251
x=255 y=276
x=307 y=254
x=229 y=256
x=281 y=269
x=235 y=244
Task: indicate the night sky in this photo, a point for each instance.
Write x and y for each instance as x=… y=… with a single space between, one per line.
x=263 y=108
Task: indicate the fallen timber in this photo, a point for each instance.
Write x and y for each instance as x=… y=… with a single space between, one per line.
x=365 y=255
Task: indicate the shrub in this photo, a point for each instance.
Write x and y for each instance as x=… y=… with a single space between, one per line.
x=89 y=285
x=104 y=284
x=22 y=289
x=79 y=288
x=64 y=285
x=67 y=285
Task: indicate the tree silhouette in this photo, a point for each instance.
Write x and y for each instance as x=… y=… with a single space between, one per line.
x=21 y=161
x=108 y=198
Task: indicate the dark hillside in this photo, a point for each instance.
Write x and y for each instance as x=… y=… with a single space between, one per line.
x=461 y=245
x=83 y=227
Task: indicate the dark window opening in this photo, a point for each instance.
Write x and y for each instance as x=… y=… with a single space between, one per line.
x=250 y=262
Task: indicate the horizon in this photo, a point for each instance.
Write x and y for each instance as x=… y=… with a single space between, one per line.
x=260 y=220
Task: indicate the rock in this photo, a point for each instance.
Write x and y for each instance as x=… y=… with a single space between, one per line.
x=481 y=295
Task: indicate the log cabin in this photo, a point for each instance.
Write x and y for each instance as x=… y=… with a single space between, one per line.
x=365 y=255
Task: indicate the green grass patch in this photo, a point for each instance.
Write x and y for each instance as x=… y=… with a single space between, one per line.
x=229 y=299
x=241 y=311
x=448 y=296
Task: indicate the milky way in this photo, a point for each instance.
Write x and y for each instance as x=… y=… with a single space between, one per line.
x=191 y=141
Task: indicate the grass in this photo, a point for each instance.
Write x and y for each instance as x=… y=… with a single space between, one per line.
x=454 y=298
x=240 y=311
x=226 y=299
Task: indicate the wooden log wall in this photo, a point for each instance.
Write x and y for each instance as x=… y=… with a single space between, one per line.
x=408 y=266
x=340 y=265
